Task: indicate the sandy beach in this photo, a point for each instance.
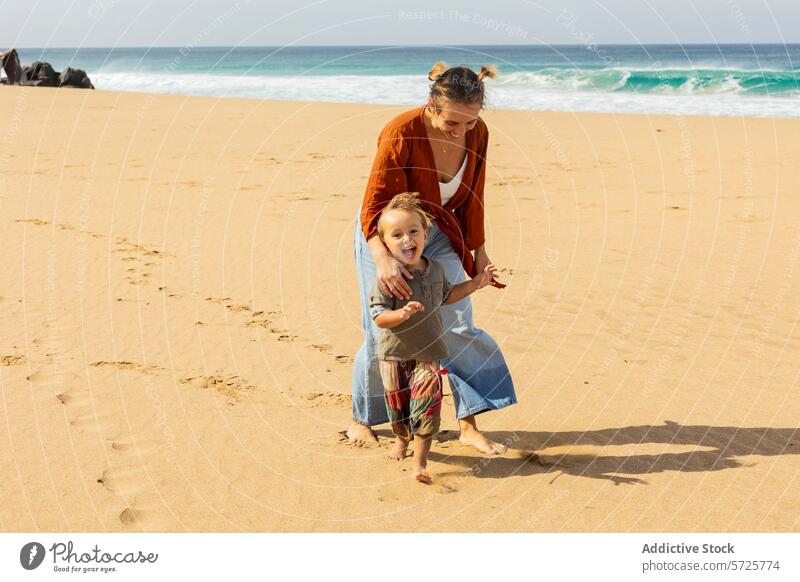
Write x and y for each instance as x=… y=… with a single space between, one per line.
x=180 y=313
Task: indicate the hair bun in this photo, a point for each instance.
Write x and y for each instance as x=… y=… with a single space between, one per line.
x=487 y=71
x=437 y=70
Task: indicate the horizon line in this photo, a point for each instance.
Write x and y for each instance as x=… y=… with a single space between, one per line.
x=505 y=45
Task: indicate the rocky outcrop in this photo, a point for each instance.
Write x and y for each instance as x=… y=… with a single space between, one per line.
x=41 y=74
x=9 y=60
x=74 y=78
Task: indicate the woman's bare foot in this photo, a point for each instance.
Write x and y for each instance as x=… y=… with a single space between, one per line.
x=398 y=450
x=360 y=434
x=471 y=436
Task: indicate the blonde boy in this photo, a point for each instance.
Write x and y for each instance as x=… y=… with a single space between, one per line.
x=411 y=343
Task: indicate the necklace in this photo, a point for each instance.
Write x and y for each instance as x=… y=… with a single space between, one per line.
x=443 y=142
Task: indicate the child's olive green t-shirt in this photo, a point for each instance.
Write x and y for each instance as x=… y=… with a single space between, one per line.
x=421 y=336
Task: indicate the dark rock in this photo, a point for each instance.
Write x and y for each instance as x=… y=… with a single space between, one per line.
x=75 y=78
x=39 y=74
x=9 y=60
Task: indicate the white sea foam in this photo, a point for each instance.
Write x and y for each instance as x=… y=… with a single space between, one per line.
x=554 y=90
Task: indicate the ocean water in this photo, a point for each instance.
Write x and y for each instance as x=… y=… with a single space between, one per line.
x=753 y=80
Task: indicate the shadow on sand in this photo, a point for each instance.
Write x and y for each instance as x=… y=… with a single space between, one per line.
x=529 y=454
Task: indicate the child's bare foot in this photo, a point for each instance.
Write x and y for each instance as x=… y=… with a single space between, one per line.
x=423 y=477
x=421 y=448
x=398 y=450
x=359 y=434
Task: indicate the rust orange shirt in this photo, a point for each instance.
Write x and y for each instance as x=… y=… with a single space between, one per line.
x=405 y=163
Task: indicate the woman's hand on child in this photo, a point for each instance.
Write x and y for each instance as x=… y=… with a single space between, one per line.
x=411 y=308
x=391 y=276
x=486 y=277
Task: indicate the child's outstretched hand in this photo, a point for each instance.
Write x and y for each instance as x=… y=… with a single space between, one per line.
x=411 y=308
x=486 y=277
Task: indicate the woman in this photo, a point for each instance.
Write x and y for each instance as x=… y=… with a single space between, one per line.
x=438 y=151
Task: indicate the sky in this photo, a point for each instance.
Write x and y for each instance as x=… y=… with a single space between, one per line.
x=146 y=23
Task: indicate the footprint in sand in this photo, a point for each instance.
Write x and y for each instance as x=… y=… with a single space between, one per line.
x=128 y=481
x=171 y=294
x=445 y=488
x=60 y=225
x=126 y=246
x=252 y=187
x=138 y=446
x=260 y=318
x=129 y=516
x=260 y=321
x=272 y=159
x=138 y=280
x=235 y=307
x=391 y=498
x=97 y=422
x=108 y=482
x=283 y=334
x=327 y=399
x=510 y=181
x=126 y=365
x=50 y=375
x=231 y=386
x=218 y=299
x=36 y=221
x=12 y=360
x=321 y=347
x=448 y=482
x=137 y=276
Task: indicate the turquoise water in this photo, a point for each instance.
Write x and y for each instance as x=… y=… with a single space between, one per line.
x=762 y=80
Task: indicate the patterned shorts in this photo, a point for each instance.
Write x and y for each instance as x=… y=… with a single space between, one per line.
x=413 y=394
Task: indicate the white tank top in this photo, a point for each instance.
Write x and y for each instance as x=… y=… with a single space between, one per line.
x=448 y=189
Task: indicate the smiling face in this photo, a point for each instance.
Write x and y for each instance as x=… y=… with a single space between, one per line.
x=404 y=235
x=454 y=119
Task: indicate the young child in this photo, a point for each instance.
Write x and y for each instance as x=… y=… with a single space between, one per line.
x=411 y=342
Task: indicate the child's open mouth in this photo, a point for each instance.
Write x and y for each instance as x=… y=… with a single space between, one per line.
x=409 y=252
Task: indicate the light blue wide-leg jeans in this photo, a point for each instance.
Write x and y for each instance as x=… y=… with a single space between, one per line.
x=479 y=376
